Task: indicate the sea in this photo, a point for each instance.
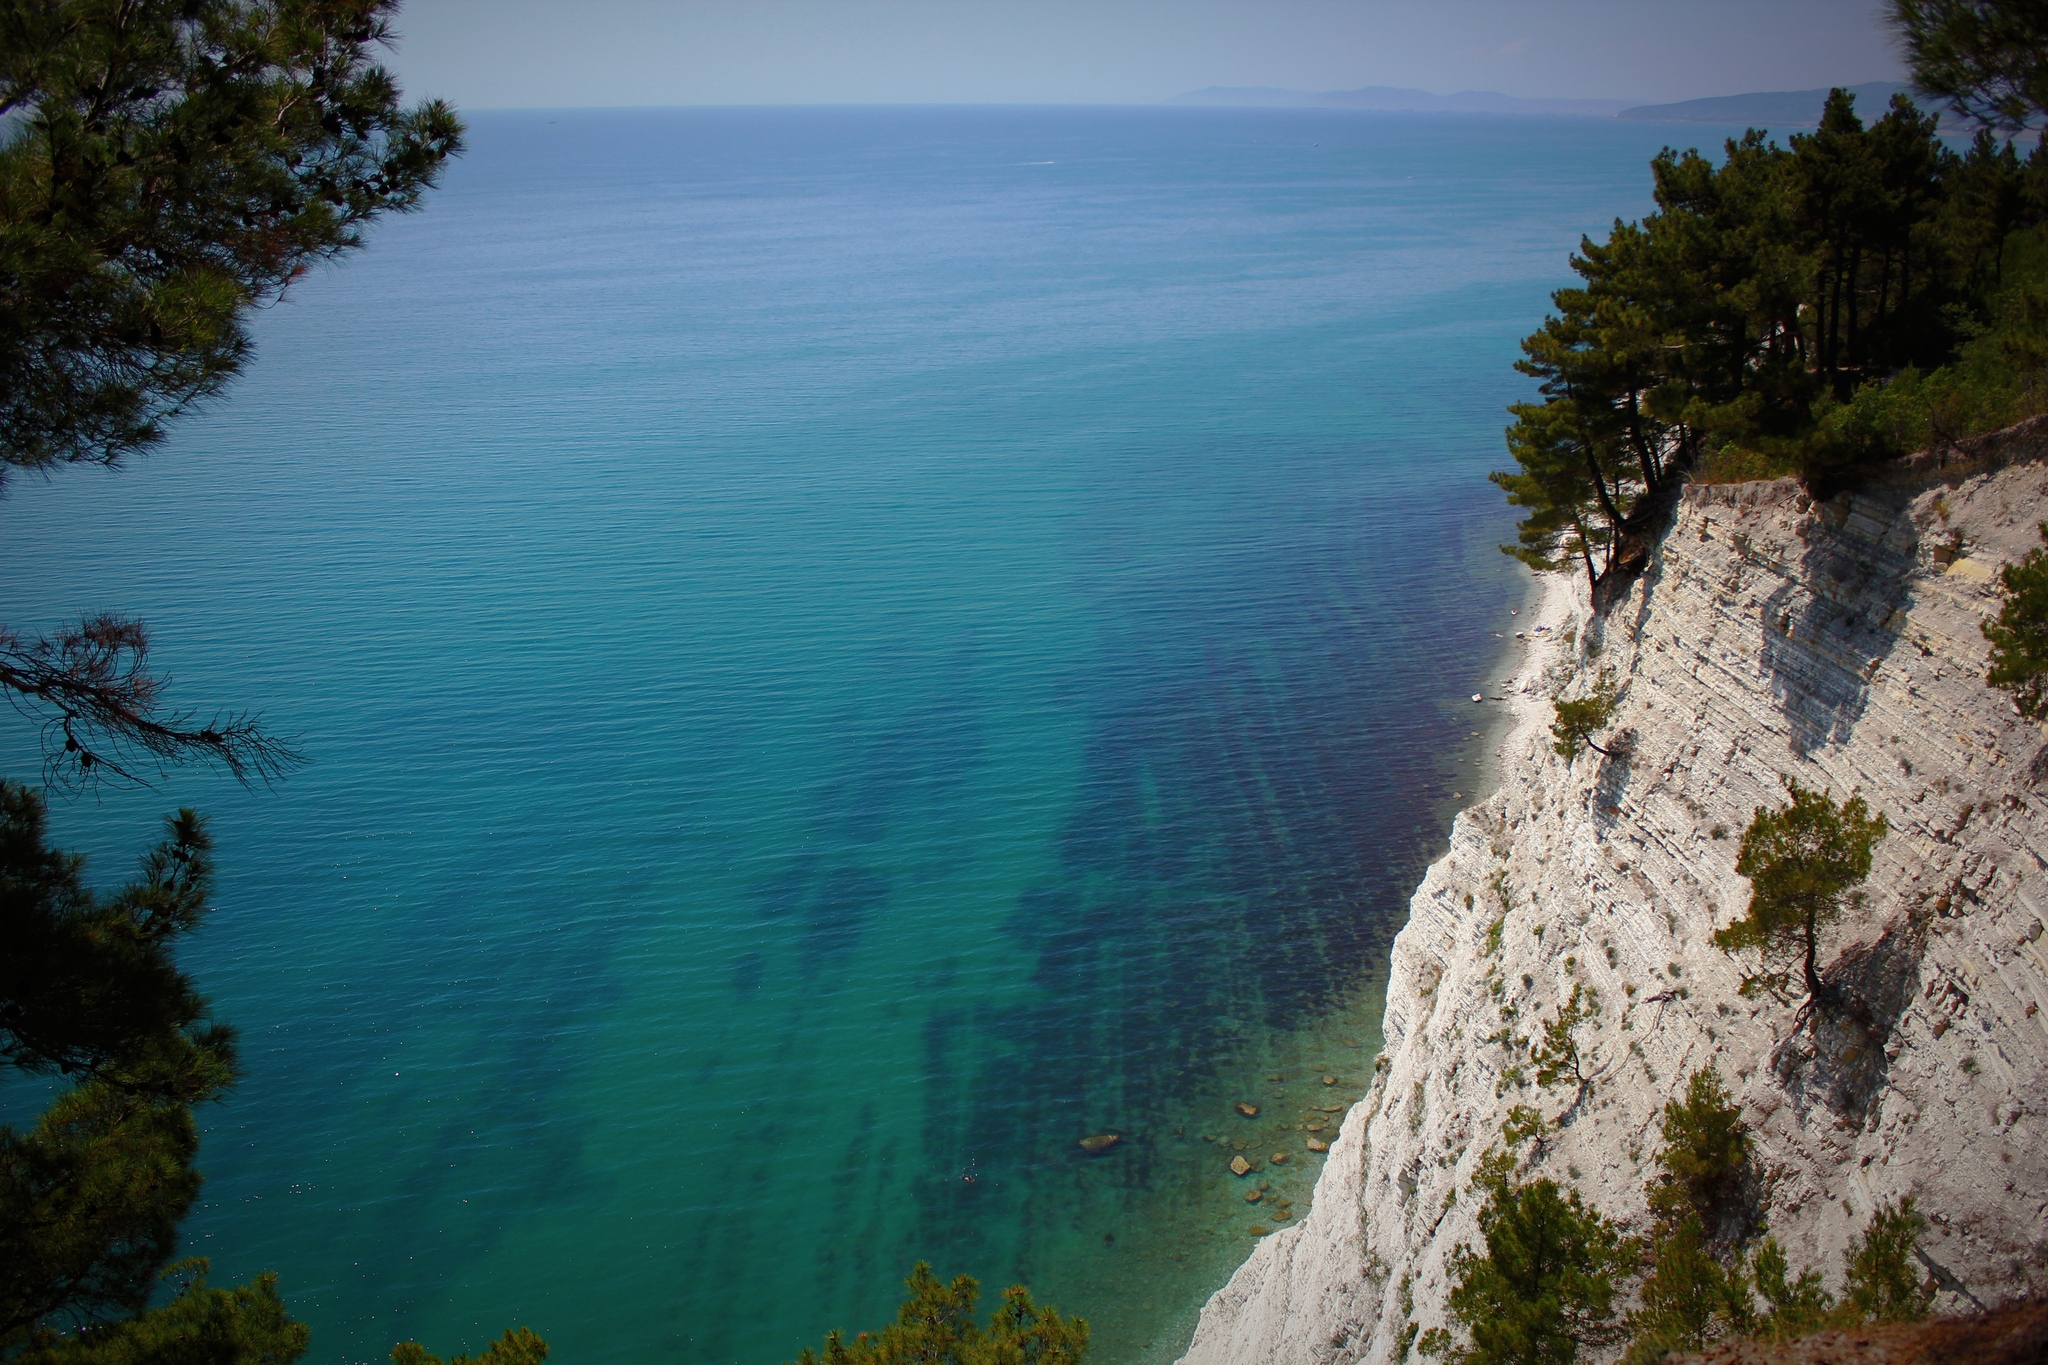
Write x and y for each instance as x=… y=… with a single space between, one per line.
x=841 y=652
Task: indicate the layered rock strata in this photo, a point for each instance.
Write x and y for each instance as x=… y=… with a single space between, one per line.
x=1772 y=637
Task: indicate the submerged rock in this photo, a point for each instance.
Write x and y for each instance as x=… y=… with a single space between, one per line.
x=1097 y=1143
x=1248 y=1109
x=1318 y=1145
x=1239 y=1166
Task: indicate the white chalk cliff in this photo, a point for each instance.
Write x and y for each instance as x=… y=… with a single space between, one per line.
x=1835 y=643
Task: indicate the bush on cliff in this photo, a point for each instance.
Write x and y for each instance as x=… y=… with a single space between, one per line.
x=2019 y=637
x=1545 y=1288
x=1696 y=1291
x=1706 y=1148
x=1804 y=863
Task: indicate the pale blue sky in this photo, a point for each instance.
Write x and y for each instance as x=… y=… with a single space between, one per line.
x=567 y=53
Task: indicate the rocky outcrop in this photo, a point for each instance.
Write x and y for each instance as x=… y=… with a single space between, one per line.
x=1770 y=638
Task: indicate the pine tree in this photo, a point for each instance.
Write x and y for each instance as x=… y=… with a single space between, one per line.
x=1695 y=1293
x=936 y=1326
x=1706 y=1147
x=1804 y=863
x=517 y=1347
x=2019 y=637
x=92 y=1195
x=167 y=167
x=1578 y=720
x=1882 y=1283
x=1545 y=1288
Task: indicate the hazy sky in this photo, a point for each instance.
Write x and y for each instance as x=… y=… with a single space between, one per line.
x=557 y=53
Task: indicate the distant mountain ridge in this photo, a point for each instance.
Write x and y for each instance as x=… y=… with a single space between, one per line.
x=1399 y=98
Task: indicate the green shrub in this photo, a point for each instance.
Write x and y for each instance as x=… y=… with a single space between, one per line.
x=1883 y=1285
x=2019 y=637
x=1706 y=1145
x=1545 y=1288
x=1795 y=1307
x=1804 y=862
x=936 y=1326
x=517 y=1347
x=1690 y=1299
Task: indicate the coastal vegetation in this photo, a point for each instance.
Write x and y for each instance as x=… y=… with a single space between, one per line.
x=936 y=1326
x=1555 y=1272
x=1544 y=1290
x=166 y=166
x=166 y=169
x=1817 y=309
x=1988 y=58
x=1804 y=863
x=1581 y=718
x=2019 y=635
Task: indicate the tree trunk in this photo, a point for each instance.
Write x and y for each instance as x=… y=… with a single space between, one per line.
x=1813 y=984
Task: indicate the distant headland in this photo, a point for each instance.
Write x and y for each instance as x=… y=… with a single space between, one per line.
x=1772 y=108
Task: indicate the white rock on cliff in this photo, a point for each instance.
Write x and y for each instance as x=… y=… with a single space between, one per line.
x=1838 y=644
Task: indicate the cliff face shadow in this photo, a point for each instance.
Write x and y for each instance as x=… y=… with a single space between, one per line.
x=1610 y=782
x=1828 y=630
x=1838 y=1057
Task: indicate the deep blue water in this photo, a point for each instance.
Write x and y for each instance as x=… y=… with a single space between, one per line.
x=842 y=652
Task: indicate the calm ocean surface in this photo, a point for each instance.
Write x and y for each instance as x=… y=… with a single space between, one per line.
x=843 y=651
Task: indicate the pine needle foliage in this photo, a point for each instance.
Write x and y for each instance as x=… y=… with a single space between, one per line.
x=2019 y=637
x=1697 y=1291
x=91 y=1196
x=518 y=1346
x=1690 y=1299
x=1883 y=1285
x=936 y=1326
x=1557 y=1054
x=1706 y=1147
x=201 y=1325
x=1804 y=862
x=1988 y=58
x=1578 y=720
x=1544 y=1290
x=1794 y=1306
x=165 y=167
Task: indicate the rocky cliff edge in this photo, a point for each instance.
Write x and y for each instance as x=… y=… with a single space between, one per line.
x=1772 y=637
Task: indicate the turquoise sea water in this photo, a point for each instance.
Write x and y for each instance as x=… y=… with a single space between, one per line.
x=843 y=651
